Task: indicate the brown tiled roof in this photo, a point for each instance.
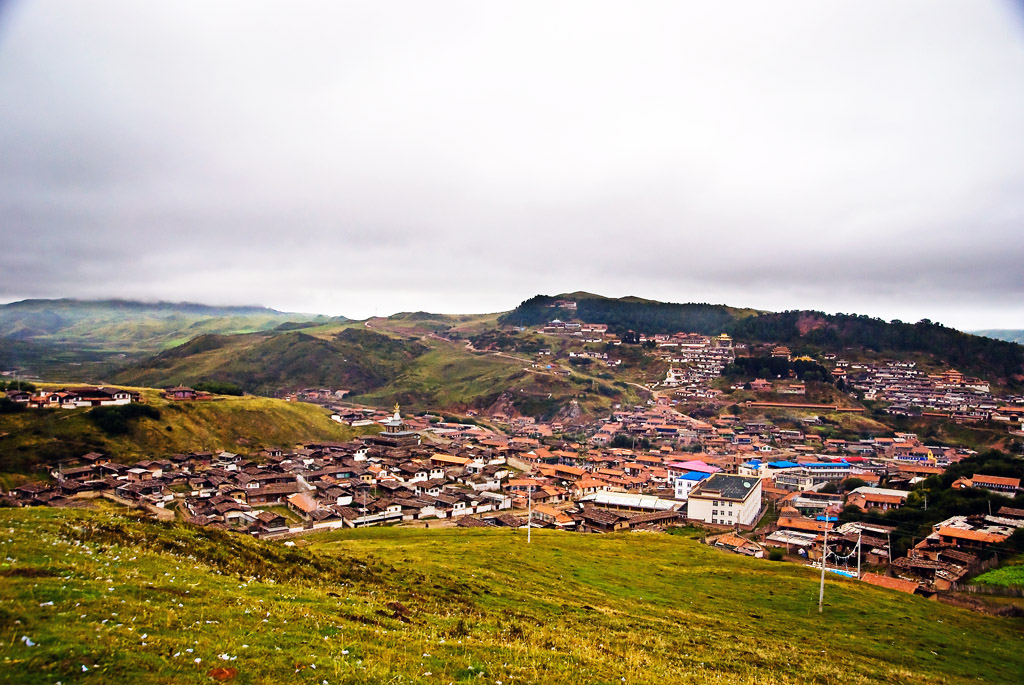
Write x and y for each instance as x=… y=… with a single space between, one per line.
x=899 y=584
x=975 y=535
x=471 y=522
x=996 y=480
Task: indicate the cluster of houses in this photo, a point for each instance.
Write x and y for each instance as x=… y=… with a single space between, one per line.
x=914 y=393
x=695 y=365
x=385 y=478
x=73 y=398
x=471 y=476
x=956 y=548
x=590 y=332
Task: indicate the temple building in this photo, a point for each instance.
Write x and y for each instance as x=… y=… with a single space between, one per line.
x=395 y=433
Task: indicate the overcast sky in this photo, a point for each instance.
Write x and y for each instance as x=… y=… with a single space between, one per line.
x=364 y=158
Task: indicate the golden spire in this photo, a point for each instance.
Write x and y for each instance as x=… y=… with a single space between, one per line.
x=396 y=407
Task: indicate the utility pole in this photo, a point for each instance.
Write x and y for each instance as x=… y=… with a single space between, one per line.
x=821 y=590
x=529 y=512
x=824 y=553
x=859 y=534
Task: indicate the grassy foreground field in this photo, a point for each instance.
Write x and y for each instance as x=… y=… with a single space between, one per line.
x=97 y=597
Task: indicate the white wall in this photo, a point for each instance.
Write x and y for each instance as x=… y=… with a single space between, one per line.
x=741 y=513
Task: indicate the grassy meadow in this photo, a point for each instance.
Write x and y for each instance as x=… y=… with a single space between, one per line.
x=98 y=597
x=1010 y=574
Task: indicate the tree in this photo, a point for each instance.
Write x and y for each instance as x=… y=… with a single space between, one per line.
x=852 y=483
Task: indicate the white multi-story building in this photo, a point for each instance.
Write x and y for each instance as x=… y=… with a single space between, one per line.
x=726 y=500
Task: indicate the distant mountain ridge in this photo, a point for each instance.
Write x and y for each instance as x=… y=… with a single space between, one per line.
x=129 y=325
x=42 y=303
x=1007 y=334
x=85 y=339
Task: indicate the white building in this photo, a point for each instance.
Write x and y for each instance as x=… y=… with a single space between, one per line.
x=726 y=500
x=687 y=482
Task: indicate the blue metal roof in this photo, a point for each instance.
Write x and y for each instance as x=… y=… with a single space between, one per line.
x=782 y=464
x=694 y=475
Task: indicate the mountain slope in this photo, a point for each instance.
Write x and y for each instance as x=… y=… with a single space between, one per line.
x=129 y=599
x=353 y=359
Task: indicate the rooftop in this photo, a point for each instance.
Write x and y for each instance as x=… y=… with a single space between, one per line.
x=727 y=487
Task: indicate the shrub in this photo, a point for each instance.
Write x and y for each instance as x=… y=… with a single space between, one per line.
x=219 y=388
x=10 y=406
x=775 y=554
x=118 y=420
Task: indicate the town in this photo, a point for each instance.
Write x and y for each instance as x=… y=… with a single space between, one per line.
x=765 y=484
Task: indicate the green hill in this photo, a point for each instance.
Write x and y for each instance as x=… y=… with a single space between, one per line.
x=450 y=377
x=379 y=366
x=98 y=597
x=354 y=359
x=32 y=438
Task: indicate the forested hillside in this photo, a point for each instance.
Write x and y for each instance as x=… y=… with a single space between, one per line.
x=986 y=357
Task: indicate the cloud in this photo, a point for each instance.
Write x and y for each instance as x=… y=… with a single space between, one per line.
x=368 y=158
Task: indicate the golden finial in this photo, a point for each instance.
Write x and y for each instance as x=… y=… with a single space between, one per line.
x=396 y=407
